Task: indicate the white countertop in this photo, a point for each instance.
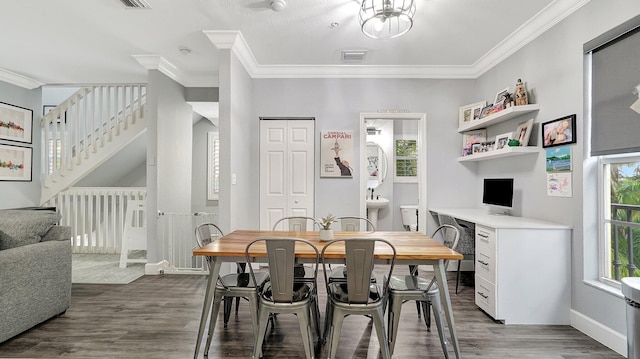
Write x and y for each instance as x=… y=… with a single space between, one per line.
x=482 y=217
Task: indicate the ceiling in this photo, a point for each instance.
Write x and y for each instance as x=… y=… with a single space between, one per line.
x=82 y=42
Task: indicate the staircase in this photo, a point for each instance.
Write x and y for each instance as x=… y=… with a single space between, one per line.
x=86 y=129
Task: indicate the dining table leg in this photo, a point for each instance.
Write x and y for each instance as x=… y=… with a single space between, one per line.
x=214 y=272
x=441 y=278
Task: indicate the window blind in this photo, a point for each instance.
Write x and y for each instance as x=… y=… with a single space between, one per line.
x=615 y=127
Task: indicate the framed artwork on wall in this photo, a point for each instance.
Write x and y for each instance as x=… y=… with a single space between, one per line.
x=15 y=123
x=15 y=163
x=559 y=132
x=336 y=154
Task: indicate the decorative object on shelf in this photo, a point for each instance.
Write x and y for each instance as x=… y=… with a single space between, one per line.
x=521 y=94
x=336 y=153
x=508 y=101
x=326 y=233
x=500 y=96
x=559 y=132
x=386 y=19
x=15 y=163
x=523 y=131
x=502 y=140
x=513 y=143
x=473 y=137
x=470 y=112
x=15 y=123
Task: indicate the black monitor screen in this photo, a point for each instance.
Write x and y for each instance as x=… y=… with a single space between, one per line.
x=498 y=192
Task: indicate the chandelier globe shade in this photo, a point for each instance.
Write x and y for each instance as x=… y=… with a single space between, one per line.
x=386 y=19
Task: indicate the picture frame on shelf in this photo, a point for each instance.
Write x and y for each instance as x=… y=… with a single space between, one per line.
x=15 y=163
x=15 y=123
x=485 y=111
x=523 y=132
x=502 y=140
x=558 y=132
x=470 y=138
x=470 y=112
x=500 y=96
x=476 y=148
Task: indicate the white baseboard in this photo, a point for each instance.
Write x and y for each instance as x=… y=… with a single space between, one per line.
x=605 y=335
x=155 y=268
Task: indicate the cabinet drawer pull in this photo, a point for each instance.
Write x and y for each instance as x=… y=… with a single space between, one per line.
x=483 y=295
x=483 y=262
x=483 y=235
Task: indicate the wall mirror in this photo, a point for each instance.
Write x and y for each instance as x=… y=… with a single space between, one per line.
x=377 y=165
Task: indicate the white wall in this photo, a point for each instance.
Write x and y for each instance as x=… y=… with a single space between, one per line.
x=336 y=105
x=23 y=194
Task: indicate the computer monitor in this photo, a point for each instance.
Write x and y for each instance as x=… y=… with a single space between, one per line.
x=498 y=192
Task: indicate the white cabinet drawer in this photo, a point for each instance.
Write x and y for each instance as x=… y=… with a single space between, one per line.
x=485 y=265
x=486 y=296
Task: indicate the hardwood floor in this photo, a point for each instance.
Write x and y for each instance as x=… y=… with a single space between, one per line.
x=158 y=317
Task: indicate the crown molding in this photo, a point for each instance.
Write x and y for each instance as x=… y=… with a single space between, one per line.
x=157 y=62
x=19 y=80
x=546 y=18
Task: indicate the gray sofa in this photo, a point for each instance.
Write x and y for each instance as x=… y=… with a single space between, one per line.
x=35 y=269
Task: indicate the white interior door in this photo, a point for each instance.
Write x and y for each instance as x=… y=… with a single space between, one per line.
x=286 y=169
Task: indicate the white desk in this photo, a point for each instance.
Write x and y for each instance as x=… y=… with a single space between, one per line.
x=522 y=267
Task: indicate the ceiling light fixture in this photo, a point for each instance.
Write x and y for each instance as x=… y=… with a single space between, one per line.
x=386 y=19
x=185 y=51
x=277 y=5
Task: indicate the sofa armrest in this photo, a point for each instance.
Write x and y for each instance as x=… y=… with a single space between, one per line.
x=57 y=233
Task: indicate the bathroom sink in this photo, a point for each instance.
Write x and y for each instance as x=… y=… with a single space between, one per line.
x=378 y=203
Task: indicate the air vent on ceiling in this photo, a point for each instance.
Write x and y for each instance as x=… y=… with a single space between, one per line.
x=353 y=55
x=136 y=4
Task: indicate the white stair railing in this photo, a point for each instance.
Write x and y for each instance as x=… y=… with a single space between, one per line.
x=96 y=216
x=86 y=129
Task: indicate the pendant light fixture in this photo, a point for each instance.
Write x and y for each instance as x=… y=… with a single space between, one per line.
x=386 y=19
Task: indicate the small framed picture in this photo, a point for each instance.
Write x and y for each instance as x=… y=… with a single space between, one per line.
x=485 y=111
x=476 y=148
x=559 y=132
x=502 y=140
x=523 y=132
x=470 y=138
x=500 y=96
x=15 y=163
x=15 y=123
x=470 y=112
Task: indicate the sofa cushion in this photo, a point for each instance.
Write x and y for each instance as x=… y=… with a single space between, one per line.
x=23 y=227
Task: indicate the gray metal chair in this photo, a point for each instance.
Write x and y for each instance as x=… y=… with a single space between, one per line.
x=283 y=294
x=467 y=244
x=352 y=224
x=357 y=295
x=295 y=224
x=236 y=285
x=425 y=291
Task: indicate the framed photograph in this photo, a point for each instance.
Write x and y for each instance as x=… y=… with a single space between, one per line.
x=523 y=132
x=47 y=108
x=15 y=123
x=559 y=132
x=15 y=163
x=502 y=140
x=470 y=112
x=470 y=138
x=476 y=148
x=336 y=154
x=485 y=111
x=500 y=96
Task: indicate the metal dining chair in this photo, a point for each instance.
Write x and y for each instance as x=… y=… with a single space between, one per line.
x=299 y=224
x=235 y=285
x=283 y=294
x=350 y=224
x=404 y=288
x=357 y=295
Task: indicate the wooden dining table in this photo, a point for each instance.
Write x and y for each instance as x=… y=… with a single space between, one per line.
x=412 y=248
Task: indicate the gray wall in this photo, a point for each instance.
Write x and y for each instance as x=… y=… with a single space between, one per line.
x=199 y=202
x=23 y=194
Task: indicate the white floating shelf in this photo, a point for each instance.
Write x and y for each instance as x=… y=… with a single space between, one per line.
x=505 y=152
x=504 y=115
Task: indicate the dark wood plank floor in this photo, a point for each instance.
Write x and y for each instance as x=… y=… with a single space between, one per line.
x=158 y=316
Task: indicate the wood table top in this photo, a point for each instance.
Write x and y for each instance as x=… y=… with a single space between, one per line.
x=409 y=245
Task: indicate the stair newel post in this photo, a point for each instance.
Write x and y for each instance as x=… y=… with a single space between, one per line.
x=101 y=116
x=140 y=107
x=47 y=150
x=127 y=118
x=76 y=133
x=94 y=148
